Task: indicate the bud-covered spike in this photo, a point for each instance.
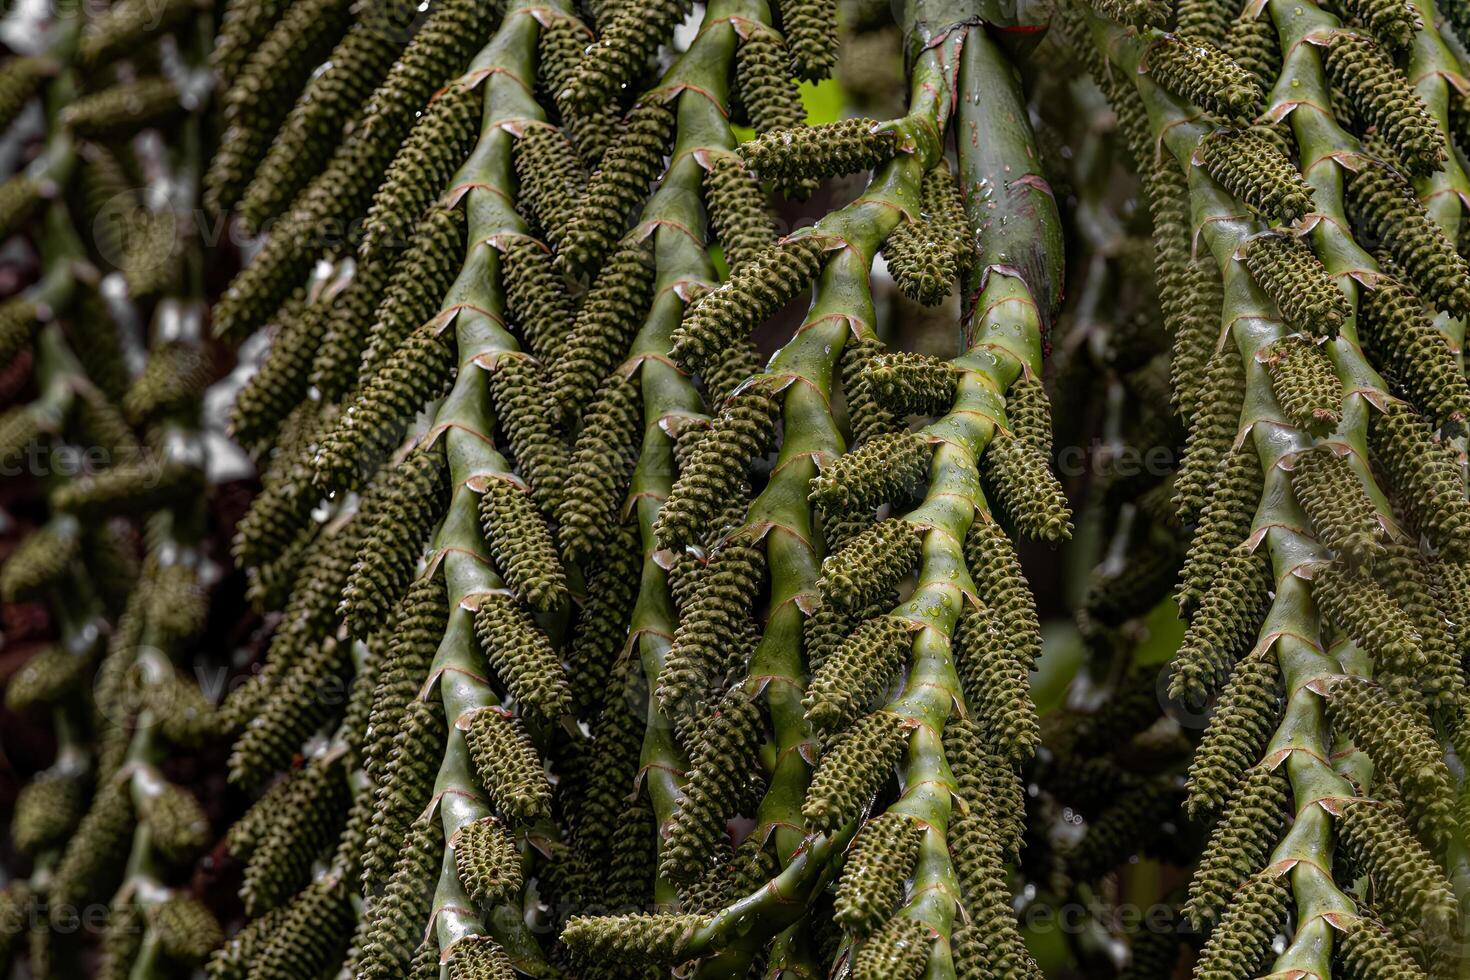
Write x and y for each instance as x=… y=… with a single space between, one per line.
x=610 y=316
x=1407 y=882
x=392 y=925
x=848 y=146
x=19 y=197
x=488 y=862
x=305 y=820
x=95 y=854
x=1238 y=945
x=995 y=673
x=859 y=670
x=294 y=708
x=811 y=32
x=1366 y=950
x=508 y=766
x=626 y=42
x=632 y=940
x=728 y=751
x=1257 y=173
x=1026 y=489
x=1334 y=498
x=1242 y=724
x=769 y=94
x=551 y=180
x=1290 y=272
x=897 y=950
x=40 y=561
x=49 y=675
x=1223 y=525
x=1306 y=385
x=871 y=565
x=853 y=768
x=1241 y=842
x=1396 y=332
x=186 y=929
x=415 y=291
x=1211 y=432
x=1383 y=98
x=122 y=110
x=1425 y=473
x=521 y=655
x=521 y=544
x=418 y=626
x=996 y=570
x=1361 y=608
x=560 y=47
x=178 y=826
x=282 y=383
x=1224 y=626
x=877 y=866
x=479 y=958
x=913 y=384
x=128 y=488
x=400 y=797
x=536 y=299
x=601 y=467
x=1385 y=208
x=527 y=412
x=1135 y=13
x=1196 y=70
x=712 y=631
x=883 y=470
x=48 y=809
x=743 y=222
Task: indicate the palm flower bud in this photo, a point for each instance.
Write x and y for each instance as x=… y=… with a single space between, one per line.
x=847 y=146
x=1407 y=881
x=1238 y=945
x=310 y=933
x=1134 y=13
x=174 y=376
x=521 y=654
x=897 y=950
x=413 y=498
x=19 y=197
x=753 y=293
x=1392 y=22
x=187 y=930
x=995 y=676
x=913 y=384
x=718 y=466
x=866 y=417
x=95 y=854
x=1366 y=950
x=872 y=564
x=811 y=32
x=996 y=570
x=610 y=317
x=1381 y=97
x=853 y=768
x=1400 y=747
x=178 y=826
x=727 y=752
x=283 y=380
x=405 y=789
x=536 y=299
x=47 y=810
x=878 y=863
x=279 y=517
x=394 y=920
x=128 y=488
x=1211 y=431
x=1118 y=594
x=1029 y=493
x=122 y=110
x=601 y=467
x=1241 y=842
x=488 y=861
x=1256 y=172
x=741 y=219
x=981 y=774
x=1362 y=609
x=630 y=38
x=1199 y=72
x=48 y=676
x=1396 y=332
x=335 y=365
x=20 y=79
x=1242 y=724
x=232 y=961
x=1253 y=44
x=419 y=370
x=19 y=320
x=479 y=958
x=424 y=964
x=1306 y=386
x=1334 y=498
x=416 y=289
x=712 y=628
x=619 y=184
x=551 y=180
x=1225 y=522
x=923 y=262
x=1385 y=208
x=521 y=544
x=437 y=145
x=298 y=705
x=860 y=669
x=1224 y=626
x=307 y=812
x=40 y=560
x=1406 y=574
x=418 y=626
x=887 y=468
x=527 y=412
x=829 y=626
x=632 y=940
x=560 y=46
x=1425 y=472
x=508 y=766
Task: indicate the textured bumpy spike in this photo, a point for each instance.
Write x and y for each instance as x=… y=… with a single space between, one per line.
x=1401 y=747
x=536 y=299
x=1239 y=943
x=306 y=820
x=847 y=146
x=1397 y=332
x=521 y=544
x=1135 y=13
x=727 y=752
x=610 y=316
x=20 y=79
x=718 y=467
x=48 y=676
x=19 y=197
x=128 y=488
x=283 y=380
x=393 y=927
x=742 y=220
x=1367 y=950
x=435 y=148
x=233 y=960
x=623 y=49
x=1256 y=172
x=526 y=409
x=123 y=109
x=508 y=766
x=1425 y=473
x=1223 y=627
x=414 y=496
x=714 y=628
x=178 y=825
x=418 y=626
x=96 y=852
x=620 y=183
x=404 y=791
x=1290 y=272
x=187 y=930
x=632 y=940
x=560 y=46
x=1223 y=525
x=173 y=378
x=601 y=467
x=996 y=571
x=488 y=861
x=913 y=384
x=1243 y=722
x=612 y=590
x=810 y=27
x=417 y=286
x=883 y=470
x=1407 y=575
x=853 y=768
x=769 y=94
x=368 y=430
x=866 y=417
x=1383 y=98
x=1362 y=609
x=995 y=676
x=897 y=950
x=39 y=561
x=479 y=958
x=1020 y=476
x=857 y=672
x=1407 y=881
x=521 y=655
x=1334 y=498
x=871 y=565
x=878 y=863
x=1196 y=70
x=1392 y=22
x=1305 y=384
x=293 y=710
x=313 y=933
x=1385 y=208
x=551 y=179
x=753 y=293
x=1252 y=42
x=1240 y=844
x=47 y=810
x=1211 y=432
